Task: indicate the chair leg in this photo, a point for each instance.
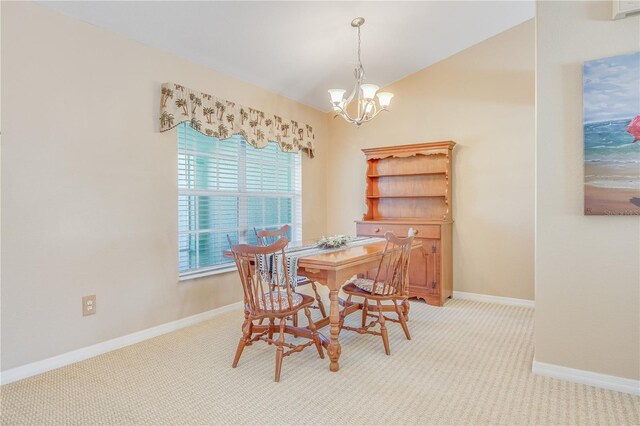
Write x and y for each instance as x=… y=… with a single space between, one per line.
x=314 y=332
x=294 y=319
x=405 y=305
x=241 y=344
x=272 y=325
x=246 y=337
x=280 y=350
x=319 y=299
x=403 y=321
x=365 y=312
x=383 y=330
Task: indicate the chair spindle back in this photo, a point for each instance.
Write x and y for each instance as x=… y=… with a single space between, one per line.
x=266 y=238
x=263 y=269
x=393 y=271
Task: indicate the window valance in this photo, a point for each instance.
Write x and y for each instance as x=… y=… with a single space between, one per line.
x=222 y=119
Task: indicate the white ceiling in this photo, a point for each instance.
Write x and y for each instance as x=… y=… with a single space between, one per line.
x=301 y=49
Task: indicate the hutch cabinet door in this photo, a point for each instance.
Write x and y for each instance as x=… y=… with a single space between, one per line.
x=424 y=269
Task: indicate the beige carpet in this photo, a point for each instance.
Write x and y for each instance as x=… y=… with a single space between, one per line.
x=468 y=364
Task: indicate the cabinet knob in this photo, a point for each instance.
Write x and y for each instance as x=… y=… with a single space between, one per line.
x=377 y=230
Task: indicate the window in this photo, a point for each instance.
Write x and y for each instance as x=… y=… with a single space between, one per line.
x=228 y=188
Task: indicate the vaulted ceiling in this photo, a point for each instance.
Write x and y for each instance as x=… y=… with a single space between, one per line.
x=301 y=49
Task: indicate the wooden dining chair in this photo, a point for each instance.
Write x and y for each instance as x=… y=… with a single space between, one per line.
x=389 y=289
x=262 y=302
x=266 y=238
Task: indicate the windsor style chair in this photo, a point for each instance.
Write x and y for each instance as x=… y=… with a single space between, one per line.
x=266 y=238
x=389 y=285
x=268 y=295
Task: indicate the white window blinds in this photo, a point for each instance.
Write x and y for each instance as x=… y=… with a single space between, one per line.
x=229 y=188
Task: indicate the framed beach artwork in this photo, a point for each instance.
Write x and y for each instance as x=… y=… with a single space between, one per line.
x=612 y=135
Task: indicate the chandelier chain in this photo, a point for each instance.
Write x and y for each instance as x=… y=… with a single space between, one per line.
x=359 y=60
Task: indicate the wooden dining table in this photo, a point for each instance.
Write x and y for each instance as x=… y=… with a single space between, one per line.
x=331 y=269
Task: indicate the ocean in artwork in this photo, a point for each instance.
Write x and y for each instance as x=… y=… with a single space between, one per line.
x=612 y=135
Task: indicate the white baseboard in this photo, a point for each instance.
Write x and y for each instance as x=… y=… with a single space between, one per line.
x=493 y=299
x=28 y=370
x=583 y=377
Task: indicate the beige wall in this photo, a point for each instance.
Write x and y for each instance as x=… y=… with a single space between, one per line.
x=587 y=267
x=89 y=187
x=483 y=99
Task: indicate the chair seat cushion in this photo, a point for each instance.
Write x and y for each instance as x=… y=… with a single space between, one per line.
x=280 y=301
x=366 y=284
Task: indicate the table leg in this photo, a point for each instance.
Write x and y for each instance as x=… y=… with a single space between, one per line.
x=334 y=321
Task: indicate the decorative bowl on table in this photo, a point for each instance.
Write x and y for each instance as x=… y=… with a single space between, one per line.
x=333 y=242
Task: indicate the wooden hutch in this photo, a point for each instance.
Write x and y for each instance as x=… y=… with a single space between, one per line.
x=409 y=186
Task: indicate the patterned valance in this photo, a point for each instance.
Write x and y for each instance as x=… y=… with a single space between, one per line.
x=222 y=119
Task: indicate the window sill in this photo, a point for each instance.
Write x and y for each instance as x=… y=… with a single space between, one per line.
x=206 y=273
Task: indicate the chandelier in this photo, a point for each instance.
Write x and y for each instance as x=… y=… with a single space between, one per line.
x=364 y=94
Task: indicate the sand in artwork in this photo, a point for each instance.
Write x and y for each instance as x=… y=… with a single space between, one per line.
x=612 y=136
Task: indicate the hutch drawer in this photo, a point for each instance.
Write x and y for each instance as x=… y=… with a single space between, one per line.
x=375 y=229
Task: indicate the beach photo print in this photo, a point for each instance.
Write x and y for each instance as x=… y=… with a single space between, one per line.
x=612 y=135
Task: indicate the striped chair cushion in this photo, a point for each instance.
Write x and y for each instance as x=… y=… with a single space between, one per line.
x=280 y=301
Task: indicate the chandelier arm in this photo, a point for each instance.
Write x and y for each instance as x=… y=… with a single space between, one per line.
x=364 y=109
x=344 y=114
x=369 y=118
x=374 y=109
x=353 y=93
x=373 y=116
x=347 y=119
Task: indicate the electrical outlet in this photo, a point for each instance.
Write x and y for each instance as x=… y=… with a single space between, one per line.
x=88 y=305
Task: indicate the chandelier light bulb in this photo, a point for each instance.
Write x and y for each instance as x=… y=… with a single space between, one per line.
x=384 y=99
x=336 y=95
x=369 y=90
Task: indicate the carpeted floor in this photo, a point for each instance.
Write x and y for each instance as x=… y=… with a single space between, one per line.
x=468 y=364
